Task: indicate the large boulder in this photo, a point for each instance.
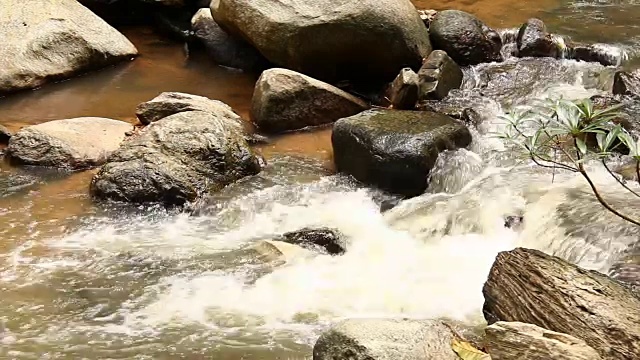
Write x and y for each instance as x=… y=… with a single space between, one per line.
x=386 y=339
x=286 y=100
x=223 y=48
x=465 y=38
x=368 y=40
x=438 y=75
x=169 y=103
x=69 y=144
x=176 y=159
x=516 y=340
x=51 y=40
x=585 y=304
x=395 y=150
x=534 y=40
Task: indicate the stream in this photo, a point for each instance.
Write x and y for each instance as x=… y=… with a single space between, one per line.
x=80 y=280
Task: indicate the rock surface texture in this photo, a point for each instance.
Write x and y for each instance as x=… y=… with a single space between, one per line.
x=395 y=150
x=368 y=40
x=438 y=75
x=404 y=90
x=285 y=100
x=625 y=83
x=385 y=339
x=465 y=38
x=176 y=160
x=169 y=103
x=532 y=287
x=515 y=340
x=69 y=144
x=534 y=40
x=223 y=48
x=45 y=41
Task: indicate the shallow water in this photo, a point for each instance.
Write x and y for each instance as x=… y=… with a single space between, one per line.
x=86 y=281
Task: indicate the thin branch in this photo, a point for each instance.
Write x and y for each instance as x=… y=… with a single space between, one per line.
x=618 y=179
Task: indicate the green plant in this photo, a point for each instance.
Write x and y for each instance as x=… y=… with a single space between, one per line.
x=562 y=134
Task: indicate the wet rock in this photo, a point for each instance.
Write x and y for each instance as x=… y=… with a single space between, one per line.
x=330 y=42
x=69 y=144
x=385 y=339
x=605 y=54
x=395 y=150
x=5 y=135
x=404 y=90
x=626 y=83
x=515 y=340
x=224 y=49
x=327 y=240
x=438 y=75
x=177 y=159
x=285 y=100
x=578 y=302
x=54 y=40
x=534 y=40
x=169 y=103
x=465 y=38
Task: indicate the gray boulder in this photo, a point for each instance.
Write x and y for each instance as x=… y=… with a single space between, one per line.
x=386 y=339
x=438 y=75
x=516 y=340
x=285 y=100
x=177 y=159
x=330 y=40
x=395 y=150
x=52 y=40
x=5 y=135
x=626 y=83
x=534 y=40
x=169 y=103
x=223 y=48
x=404 y=90
x=465 y=38
x=324 y=239
x=69 y=144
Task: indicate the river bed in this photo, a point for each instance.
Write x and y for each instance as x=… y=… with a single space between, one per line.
x=80 y=280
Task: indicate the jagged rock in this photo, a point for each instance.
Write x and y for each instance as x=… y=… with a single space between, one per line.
x=69 y=144
x=385 y=339
x=169 y=103
x=286 y=100
x=605 y=54
x=223 y=48
x=45 y=41
x=394 y=149
x=516 y=340
x=534 y=40
x=328 y=40
x=177 y=159
x=404 y=90
x=585 y=304
x=438 y=75
x=5 y=135
x=465 y=38
x=327 y=240
x=626 y=83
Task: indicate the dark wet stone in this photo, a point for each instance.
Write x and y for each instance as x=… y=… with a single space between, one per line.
x=395 y=150
x=404 y=90
x=5 y=135
x=534 y=40
x=465 y=38
x=626 y=83
x=438 y=75
x=605 y=54
x=328 y=240
x=224 y=49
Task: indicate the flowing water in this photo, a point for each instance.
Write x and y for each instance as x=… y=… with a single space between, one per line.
x=85 y=281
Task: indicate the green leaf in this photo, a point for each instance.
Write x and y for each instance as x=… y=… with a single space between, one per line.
x=581 y=146
x=466 y=351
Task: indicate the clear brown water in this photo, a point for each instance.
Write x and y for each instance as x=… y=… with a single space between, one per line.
x=41 y=307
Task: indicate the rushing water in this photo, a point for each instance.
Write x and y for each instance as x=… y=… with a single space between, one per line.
x=85 y=281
